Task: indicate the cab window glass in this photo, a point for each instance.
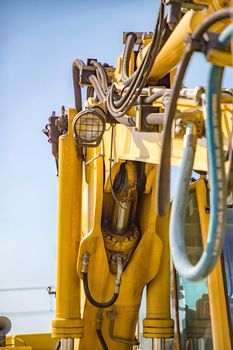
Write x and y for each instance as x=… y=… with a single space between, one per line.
x=193 y=298
x=228 y=265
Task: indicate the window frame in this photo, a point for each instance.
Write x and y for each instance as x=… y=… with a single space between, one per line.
x=215 y=281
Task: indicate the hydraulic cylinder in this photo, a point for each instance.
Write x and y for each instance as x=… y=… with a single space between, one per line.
x=158 y=322
x=68 y=323
x=170 y=54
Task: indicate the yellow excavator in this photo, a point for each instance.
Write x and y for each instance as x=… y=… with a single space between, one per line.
x=122 y=242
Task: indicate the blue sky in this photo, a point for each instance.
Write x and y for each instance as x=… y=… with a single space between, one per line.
x=39 y=41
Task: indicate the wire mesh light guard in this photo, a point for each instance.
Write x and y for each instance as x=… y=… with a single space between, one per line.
x=89 y=127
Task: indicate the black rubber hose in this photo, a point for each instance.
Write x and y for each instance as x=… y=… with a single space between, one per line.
x=101 y=305
x=102 y=73
x=90 y=91
x=77 y=88
x=92 y=300
x=163 y=184
x=101 y=339
x=142 y=73
x=58 y=345
x=129 y=45
x=122 y=106
x=127 y=121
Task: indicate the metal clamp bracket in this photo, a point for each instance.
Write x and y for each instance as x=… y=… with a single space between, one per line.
x=142 y=125
x=184 y=117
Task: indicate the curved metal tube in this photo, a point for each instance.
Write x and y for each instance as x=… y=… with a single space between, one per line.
x=112 y=317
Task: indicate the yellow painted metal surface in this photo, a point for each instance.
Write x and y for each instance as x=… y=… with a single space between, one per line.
x=68 y=322
x=220 y=59
x=217 y=293
x=173 y=50
x=17 y=347
x=158 y=322
x=149 y=265
x=154 y=271
x=86 y=201
x=143 y=267
x=146 y=147
x=39 y=341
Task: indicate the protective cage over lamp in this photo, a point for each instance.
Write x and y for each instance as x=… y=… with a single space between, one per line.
x=89 y=127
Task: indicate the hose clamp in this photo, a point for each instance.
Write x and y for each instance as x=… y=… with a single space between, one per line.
x=86 y=260
x=132 y=34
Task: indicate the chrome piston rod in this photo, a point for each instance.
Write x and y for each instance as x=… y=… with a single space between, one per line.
x=158 y=344
x=67 y=344
x=121 y=217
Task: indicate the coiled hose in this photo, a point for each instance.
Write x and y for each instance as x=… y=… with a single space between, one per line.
x=163 y=184
x=114 y=298
x=217 y=181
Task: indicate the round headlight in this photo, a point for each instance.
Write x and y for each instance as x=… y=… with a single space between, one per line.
x=89 y=127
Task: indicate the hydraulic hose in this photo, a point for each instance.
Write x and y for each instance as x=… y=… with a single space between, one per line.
x=163 y=188
x=90 y=92
x=217 y=181
x=114 y=298
x=130 y=41
x=120 y=107
x=98 y=88
x=163 y=184
x=101 y=339
x=101 y=73
x=77 y=89
x=58 y=345
x=99 y=331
